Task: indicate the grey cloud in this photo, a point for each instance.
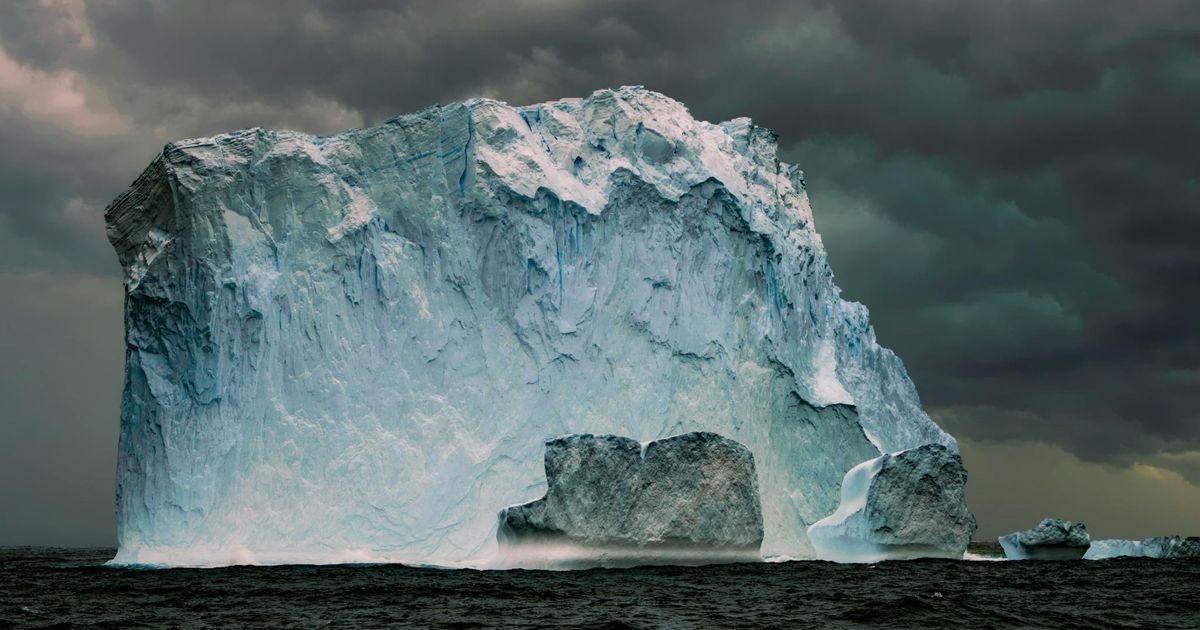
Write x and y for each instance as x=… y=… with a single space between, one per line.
x=60 y=382
x=55 y=186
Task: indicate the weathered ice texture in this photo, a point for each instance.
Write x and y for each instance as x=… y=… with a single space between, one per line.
x=348 y=347
x=910 y=504
x=1165 y=547
x=689 y=497
x=1052 y=539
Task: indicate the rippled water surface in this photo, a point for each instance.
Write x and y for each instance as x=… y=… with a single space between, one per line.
x=69 y=587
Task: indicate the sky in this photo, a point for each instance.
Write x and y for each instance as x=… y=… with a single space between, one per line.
x=1011 y=186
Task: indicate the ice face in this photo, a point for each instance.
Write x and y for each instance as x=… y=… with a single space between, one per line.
x=356 y=345
x=909 y=504
x=1104 y=549
x=844 y=536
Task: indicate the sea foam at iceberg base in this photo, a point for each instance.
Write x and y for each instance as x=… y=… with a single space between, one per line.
x=357 y=345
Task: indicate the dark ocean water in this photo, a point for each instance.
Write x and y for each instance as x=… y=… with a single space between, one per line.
x=42 y=587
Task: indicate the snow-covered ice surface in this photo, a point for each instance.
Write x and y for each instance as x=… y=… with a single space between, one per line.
x=898 y=506
x=841 y=535
x=356 y=345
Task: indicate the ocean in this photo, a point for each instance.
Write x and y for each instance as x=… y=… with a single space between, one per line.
x=50 y=587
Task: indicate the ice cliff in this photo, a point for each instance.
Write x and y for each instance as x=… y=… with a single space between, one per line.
x=355 y=346
x=691 y=498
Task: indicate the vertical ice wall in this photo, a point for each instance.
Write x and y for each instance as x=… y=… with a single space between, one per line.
x=354 y=346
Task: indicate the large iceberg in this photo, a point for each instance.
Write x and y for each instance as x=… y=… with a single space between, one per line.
x=610 y=501
x=353 y=347
x=899 y=506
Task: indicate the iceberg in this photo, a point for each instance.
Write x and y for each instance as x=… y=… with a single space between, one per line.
x=1164 y=547
x=1052 y=539
x=611 y=501
x=899 y=506
x=355 y=346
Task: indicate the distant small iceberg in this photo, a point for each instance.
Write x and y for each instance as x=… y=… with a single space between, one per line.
x=1162 y=547
x=1052 y=539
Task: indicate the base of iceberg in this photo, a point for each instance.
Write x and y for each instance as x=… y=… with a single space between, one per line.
x=209 y=557
x=900 y=506
x=555 y=555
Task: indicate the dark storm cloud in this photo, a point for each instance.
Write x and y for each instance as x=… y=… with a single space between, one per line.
x=1013 y=187
x=55 y=186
